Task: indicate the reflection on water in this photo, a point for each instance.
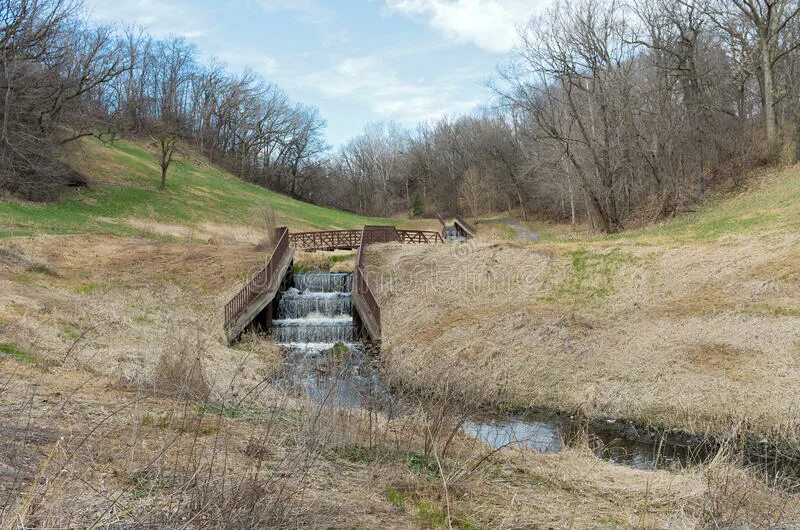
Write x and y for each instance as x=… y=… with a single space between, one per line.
x=550 y=433
x=542 y=437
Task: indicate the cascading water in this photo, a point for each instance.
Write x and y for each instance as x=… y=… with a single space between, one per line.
x=334 y=283
x=451 y=233
x=315 y=310
x=314 y=325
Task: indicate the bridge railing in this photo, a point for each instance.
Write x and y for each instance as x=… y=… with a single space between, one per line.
x=420 y=236
x=349 y=239
x=326 y=239
x=361 y=288
x=465 y=225
x=259 y=281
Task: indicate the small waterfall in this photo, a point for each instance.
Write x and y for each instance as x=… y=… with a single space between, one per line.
x=451 y=233
x=324 y=358
x=316 y=309
x=296 y=304
x=323 y=283
x=314 y=330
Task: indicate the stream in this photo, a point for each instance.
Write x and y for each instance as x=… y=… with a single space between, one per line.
x=324 y=361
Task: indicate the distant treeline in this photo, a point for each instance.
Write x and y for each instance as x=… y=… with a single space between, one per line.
x=609 y=112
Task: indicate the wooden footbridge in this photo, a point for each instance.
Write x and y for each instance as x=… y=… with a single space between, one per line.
x=253 y=305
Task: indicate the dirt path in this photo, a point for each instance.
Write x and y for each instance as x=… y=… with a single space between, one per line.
x=523 y=232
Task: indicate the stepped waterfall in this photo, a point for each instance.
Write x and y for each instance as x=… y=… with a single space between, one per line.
x=324 y=357
x=315 y=312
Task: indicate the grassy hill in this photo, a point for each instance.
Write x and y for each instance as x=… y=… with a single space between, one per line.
x=693 y=323
x=770 y=203
x=123 y=199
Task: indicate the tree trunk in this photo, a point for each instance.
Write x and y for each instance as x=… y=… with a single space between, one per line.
x=797 y=142
x=163 y=177
x=769 y=92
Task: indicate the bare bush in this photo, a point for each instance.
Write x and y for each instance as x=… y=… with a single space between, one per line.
x=269 y=224
x=180 y=373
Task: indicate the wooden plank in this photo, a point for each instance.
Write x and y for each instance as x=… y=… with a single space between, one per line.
x=261 y=300
x=371 y=325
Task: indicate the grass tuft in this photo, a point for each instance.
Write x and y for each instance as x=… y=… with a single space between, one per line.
x=15 y=351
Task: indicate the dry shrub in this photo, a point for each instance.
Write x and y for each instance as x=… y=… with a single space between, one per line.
x=751 y=152
x=734 y=498
x=269 y=222
x=180 y=373
x=337 y=261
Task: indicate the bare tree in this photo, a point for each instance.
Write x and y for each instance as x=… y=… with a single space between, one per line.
x=168 y=145
x=759 y=25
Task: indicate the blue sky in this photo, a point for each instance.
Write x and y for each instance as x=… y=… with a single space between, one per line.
x=358 y=61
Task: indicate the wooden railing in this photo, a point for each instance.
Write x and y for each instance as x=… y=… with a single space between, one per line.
x=350 y=239
x=420 y=236
x=465 y=225
x=326 y=240
x=259 y=281
x=361 y=289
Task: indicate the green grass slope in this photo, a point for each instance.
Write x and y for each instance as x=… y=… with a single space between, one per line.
x=124 y=187
x=770 y=205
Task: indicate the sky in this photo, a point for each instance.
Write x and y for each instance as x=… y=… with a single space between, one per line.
x=357 y=61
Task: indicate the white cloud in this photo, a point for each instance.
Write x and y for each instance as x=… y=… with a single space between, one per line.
x=241 y=58
x=159 y=17
x=489 y=24
x=370 y=82
x=310 y=12
x=307 y=11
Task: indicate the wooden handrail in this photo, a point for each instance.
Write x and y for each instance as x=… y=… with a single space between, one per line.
x=420 y=236
x=259 y=281
x=326 y=240
x=465 y=225
x=350 y=239
x=361 y=288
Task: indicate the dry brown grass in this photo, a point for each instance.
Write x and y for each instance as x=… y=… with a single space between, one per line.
x=704 y=338
x=87 y=440
x=336 y=261
x=269 y=223
x=179 y=372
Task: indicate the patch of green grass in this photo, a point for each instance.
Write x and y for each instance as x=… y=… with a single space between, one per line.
x=422 y=464
x=359 y=454
x=396 y=497
x=147 y=484
x=196 y=193
x=162 y=421
x=432 y=515
x=232 y=411
x=15 y=351
x=591 y=275
x=85 y=288
x=304 y=268
x=340 y=258
x=506 y=232
x=416 y=462
x=26 y=278
x=777 y=311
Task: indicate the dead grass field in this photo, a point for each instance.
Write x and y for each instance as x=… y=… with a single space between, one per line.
x=122 y=404
x=701 y=336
